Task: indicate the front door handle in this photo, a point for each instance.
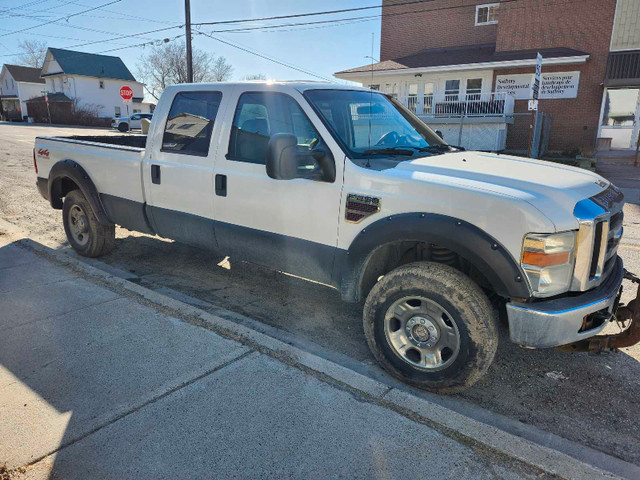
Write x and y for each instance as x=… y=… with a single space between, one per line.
x=221 y=185
x=155 y=174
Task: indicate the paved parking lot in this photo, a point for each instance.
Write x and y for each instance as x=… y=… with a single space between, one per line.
x=590 y=400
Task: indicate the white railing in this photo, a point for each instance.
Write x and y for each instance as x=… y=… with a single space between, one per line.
x=494 y=104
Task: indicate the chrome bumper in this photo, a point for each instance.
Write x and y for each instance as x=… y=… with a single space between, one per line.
x=557 y=322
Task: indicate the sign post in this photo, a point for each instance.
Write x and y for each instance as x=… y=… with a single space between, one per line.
x=46 y=100
x=126 y=93
x=533 y=103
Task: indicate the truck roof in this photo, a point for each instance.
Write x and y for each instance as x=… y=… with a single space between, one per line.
x=277 y=85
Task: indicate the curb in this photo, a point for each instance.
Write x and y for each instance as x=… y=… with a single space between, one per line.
x=451 y=423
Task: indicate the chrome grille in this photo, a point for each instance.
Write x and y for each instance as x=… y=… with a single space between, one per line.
x=600 y=218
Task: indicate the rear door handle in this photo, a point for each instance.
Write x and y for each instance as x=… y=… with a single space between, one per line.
x=155 y=174
x=221 y=185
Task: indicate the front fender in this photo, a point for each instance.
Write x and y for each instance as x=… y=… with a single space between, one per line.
x=470 y=242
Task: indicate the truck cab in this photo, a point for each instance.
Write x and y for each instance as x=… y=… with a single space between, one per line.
x=345 y=187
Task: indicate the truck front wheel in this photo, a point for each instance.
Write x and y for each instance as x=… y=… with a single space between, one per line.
x=85 y=234
x=431 y=326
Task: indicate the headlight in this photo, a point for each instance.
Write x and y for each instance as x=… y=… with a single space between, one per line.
x=548 y=261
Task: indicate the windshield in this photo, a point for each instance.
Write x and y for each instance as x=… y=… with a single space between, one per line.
x=370 y=123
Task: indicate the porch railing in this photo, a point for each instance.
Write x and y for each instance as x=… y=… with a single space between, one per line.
x=494 y=104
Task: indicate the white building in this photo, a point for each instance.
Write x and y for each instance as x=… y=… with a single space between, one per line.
x=17 y=85
x=93 y=80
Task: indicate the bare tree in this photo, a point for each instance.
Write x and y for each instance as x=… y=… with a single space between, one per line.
x=166 y=65
x=32 y=53
x=222 y=70
x=255 y=76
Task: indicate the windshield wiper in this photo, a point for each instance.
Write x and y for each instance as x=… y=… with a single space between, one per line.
x=440 y=147
x=389 y=151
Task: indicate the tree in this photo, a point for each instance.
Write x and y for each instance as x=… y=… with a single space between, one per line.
x=32 y=53
x=221 y=70
x=255 y=76
x=166 y=65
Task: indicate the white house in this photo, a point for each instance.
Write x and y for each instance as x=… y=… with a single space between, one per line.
x=17 y=85
x=93 y=80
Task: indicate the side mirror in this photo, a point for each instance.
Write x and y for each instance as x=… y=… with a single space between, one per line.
x=282 y=156
x=439 y=133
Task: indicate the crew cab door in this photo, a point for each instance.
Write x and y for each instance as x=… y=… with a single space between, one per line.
x=288 y=225
x=178 y=167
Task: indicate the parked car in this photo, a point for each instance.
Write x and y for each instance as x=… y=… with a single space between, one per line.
x=346 y=187
x=130 y=123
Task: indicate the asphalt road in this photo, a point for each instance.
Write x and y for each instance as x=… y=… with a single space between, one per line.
x=587 y=399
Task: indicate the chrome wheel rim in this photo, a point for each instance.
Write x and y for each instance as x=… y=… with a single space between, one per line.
x=78 y=225
x=422 y=333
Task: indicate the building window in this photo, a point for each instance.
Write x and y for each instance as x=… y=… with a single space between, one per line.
x=137 y=110
x=451 y=90
x=117 y=112
x=374 y=87
x=487 y=14
x=412 y=97
x=102 y=84
x=428 y=98
x=474 y=88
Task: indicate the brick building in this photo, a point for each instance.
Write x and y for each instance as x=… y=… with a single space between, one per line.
x=472 y=62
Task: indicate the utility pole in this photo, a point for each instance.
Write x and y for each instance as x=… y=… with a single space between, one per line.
x=187 y=15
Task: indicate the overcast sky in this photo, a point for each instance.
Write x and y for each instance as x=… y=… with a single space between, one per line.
x=322 y=48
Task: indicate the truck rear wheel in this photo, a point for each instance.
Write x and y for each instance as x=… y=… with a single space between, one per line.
x=123 y=127
x=85 y=234
x=431 y=326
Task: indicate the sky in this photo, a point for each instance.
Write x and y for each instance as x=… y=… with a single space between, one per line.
x=319 y=49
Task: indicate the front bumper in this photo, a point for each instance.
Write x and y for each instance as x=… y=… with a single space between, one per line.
x=561 y=321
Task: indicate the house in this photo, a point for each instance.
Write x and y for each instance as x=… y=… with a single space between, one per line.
x=93 y=81
x=17 y=85
x=467 y=68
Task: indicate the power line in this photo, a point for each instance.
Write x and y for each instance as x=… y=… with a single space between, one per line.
x=66 y=17
x=257 y=54
x=310 y=14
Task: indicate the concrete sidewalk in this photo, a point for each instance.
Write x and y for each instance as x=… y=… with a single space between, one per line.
x=101 y=381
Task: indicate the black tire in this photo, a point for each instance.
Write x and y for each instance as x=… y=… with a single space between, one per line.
x=467 y=314
x=85 y=234
x=123 y=127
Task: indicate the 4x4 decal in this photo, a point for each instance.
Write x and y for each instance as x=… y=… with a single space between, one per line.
x=360 y=207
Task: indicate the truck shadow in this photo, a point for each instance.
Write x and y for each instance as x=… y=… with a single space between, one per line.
x=588 y=399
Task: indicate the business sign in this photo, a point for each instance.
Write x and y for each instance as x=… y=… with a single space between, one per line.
x=126 y=92
x=533 y=105
x=552 y=85
x=535 y=89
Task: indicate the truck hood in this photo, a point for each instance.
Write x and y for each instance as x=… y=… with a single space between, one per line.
x=552 y=188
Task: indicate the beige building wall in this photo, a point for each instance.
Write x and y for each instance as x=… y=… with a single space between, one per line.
x=626 y=28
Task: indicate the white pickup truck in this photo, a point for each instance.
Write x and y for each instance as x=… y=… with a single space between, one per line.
x=344 y=186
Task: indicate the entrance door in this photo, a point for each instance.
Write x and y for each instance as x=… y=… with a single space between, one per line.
x=620 y=118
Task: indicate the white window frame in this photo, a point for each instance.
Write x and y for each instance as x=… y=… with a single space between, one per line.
x=489 y=6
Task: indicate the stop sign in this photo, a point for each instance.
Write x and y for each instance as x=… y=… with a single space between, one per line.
x=126 y=93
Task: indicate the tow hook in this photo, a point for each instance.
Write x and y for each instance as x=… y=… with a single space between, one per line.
x=621 y=314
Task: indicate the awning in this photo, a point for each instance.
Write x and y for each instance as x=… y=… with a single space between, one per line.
x=467 y=57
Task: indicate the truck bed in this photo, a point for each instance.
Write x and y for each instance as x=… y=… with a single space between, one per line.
x=113 y=162
x=136 y=141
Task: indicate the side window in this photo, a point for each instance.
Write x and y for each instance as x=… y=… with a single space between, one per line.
x=190 y=122
x=135 y=117
x=259 y=116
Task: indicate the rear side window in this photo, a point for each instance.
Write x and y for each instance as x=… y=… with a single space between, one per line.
x=260 y=115
x=190 y=122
